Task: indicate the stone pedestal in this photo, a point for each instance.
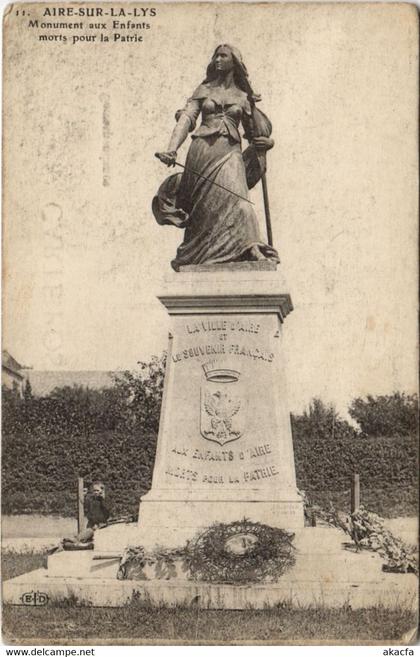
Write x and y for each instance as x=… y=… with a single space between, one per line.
x=225 y=447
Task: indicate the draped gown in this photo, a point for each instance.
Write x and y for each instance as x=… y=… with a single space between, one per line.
x=219 y=226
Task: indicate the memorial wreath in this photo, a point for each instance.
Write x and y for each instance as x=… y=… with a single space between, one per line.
x=239 y=552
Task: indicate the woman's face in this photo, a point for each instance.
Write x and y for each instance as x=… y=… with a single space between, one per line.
x=223 y=60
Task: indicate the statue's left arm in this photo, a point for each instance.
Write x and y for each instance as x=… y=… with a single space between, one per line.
x=257 y=129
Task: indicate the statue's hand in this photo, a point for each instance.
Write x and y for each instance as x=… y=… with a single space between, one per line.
x=263 y=143
x=168 y=158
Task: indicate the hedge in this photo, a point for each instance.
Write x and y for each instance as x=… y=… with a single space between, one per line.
x=381 y=462
x=387 y=467
x=40 y=473
x=110 y=434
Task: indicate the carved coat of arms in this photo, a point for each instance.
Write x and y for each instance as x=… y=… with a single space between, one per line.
x=221 y=406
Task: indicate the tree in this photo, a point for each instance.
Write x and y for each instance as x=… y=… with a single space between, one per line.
x=27 y=391
x=321 y=421
x=386 y=415
x=142 y=394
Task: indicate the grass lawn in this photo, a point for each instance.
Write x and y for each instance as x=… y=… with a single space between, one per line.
x=15 y=563
x=64 y=623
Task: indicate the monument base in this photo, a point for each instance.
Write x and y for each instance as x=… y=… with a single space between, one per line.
x=225 y=450
x=325 y=574
x=180 y=520
x=165 y=521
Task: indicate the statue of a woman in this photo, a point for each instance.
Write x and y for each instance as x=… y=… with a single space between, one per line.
x=220 y=225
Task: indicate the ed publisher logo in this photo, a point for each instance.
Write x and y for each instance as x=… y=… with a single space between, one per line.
x=34 y=599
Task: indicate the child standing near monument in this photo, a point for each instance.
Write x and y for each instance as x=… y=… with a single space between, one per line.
x=96 y=510
x=97 y=514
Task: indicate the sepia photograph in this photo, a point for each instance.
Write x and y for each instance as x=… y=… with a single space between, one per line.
x=209 y=321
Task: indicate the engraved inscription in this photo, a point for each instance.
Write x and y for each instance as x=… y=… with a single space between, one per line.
x=212 y=479
x=223 y=325
x=182 y=473
x=253 y=452
x=221 y=348
x=209 y=455
x=181 y=451
x=261 y=473
x=200 y=350
x=223 y=455
x=251 y=352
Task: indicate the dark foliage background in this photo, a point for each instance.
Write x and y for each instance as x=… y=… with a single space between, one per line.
x=110 y=434
x=107 y=434
x=328 y=451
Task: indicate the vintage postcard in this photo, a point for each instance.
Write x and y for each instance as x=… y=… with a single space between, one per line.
x=210 y=323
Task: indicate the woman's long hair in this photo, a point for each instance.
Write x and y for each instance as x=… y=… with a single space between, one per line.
x=240 y=73
x=261 y=124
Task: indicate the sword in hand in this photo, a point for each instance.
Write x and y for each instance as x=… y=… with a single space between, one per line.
x=169 y=160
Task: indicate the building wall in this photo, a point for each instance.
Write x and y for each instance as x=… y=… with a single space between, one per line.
x=11 y=380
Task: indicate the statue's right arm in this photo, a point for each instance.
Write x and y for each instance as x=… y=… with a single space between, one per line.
x=180 y=133
x=186 y=119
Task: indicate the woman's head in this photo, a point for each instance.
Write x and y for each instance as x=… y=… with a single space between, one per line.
x=223 y=59
x=226 y=58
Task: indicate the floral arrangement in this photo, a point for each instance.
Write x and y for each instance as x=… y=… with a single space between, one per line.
x=240 y=552
x=367 y=531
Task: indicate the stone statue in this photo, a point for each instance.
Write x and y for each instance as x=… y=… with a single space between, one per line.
x=210 y=197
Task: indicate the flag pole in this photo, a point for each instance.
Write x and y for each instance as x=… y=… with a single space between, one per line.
x=267 y=210
x=261 y=127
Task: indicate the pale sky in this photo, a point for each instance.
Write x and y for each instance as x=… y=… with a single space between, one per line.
x=84 y=261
